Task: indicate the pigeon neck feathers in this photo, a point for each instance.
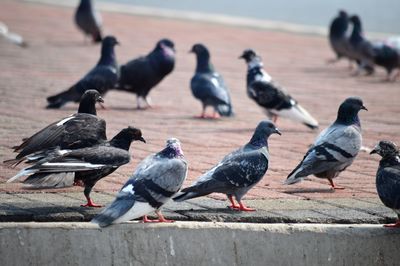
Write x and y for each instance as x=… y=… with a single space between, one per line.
x=348 y=112
x=163 y=59
x=85 y=5
x=87 y=106
x=256 y=72
x=203 y=63
x=122 y=140
x=356 y=34
x=107 y=55
x=339 y=26
x=172 y=150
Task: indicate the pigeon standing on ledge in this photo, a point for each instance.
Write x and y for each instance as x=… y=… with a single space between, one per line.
x=102 y=77
x=388 y=177
x=88 y=20
x=270 y=96
x=238 y=171
x=83 y=129
x=337 y=36
x=155 y=181
x=208 y=85
x=85 y=166
x=140 y=75
x=335 y=148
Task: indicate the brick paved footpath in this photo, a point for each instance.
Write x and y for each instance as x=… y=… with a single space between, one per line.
x=57 y=57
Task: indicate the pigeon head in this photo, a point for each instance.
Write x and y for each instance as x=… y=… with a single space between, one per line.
x=88 y=102
x=203 y=58
x=110 y=41
x=107 y=51
x=200 y=50
x=166 y=46
x=125 y=137
x=386 y=149
x=173 y=149
x=262 y=132
x=348 y=111
x=248 y=55
x=343 y=14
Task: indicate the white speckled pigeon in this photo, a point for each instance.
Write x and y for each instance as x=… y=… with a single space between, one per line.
x=102 y=77
x=85 y=166
x=208 y=85
x=388 y=177
x=270 y=95
x=335 y=148
x=155 y=181
x=83 y=129
x=88 y=20
x=238 y=172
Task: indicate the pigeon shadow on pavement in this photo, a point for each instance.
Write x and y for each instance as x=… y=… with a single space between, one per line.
x=309 y=190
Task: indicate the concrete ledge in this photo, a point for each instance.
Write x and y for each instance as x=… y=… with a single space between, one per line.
x=193 y=243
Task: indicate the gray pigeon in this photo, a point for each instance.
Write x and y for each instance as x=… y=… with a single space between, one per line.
x=208 y=85
x=238 y=171
x=388 y=177
x=335 y=148
x=270 y=95
x=155 y=181
x=88 y=20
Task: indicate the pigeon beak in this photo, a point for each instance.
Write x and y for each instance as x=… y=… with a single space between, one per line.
x=373 y=151
x=277 y=131
x=117 y=43
x=142 y=139
x=241 y=57
x=100 y=99
x=364 y=108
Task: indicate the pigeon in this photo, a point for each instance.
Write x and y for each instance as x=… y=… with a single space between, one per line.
x=140 y=75
x=83 y=166
x=337 y=35
x=88 y=20
x=155 y=181
x=361 y=49
x=388 y=58
x=388 y=177
x=102 y=77
x=208 y=85
x=270 y=95
x=238 y=171
x=83 y=129
x=335 y=148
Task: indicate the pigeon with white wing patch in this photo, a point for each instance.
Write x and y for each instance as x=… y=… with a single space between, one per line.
x=83 y=129
x=238 y=171
x=335 y=148
x=85 y=166
x=208 y=85
x=156 y=179
x=271 y=96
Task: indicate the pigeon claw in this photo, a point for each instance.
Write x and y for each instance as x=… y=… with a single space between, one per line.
x=333 y=185
x=90 y=203
x=395 y=225
x=242 y=207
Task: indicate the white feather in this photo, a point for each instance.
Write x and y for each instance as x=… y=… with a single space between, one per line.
x=62 y=122
x=139 y=209
x=296 y=113
x=23 y=172
x=215 y=82
x=128 y=189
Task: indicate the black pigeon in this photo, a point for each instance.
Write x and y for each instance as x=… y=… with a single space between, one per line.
x=140 y=75
x=360 y=49
x=83 y=129
x=155 y=181
x=81 y=166
x=238 y=171
x=208 y=85
x=388 y=58
x=102 y=77
x=337 y=35
x=335 y=148
x=88 y=20
x=388 y=177
x=270 y=95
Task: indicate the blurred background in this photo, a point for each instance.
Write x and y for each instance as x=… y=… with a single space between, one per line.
x=378 y=15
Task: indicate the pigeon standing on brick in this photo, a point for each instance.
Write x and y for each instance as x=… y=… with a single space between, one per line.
x=83 y=129
x=388 y=177
x=389 y=58
x=270 y=95
x=83 y=166
x=238 y=171
x=335 y=148
x=337 y=36
x=155 y=181
x=102 y=77
x=140 y=75
x=88 y=20
x=208 y=85
x=361 y=49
